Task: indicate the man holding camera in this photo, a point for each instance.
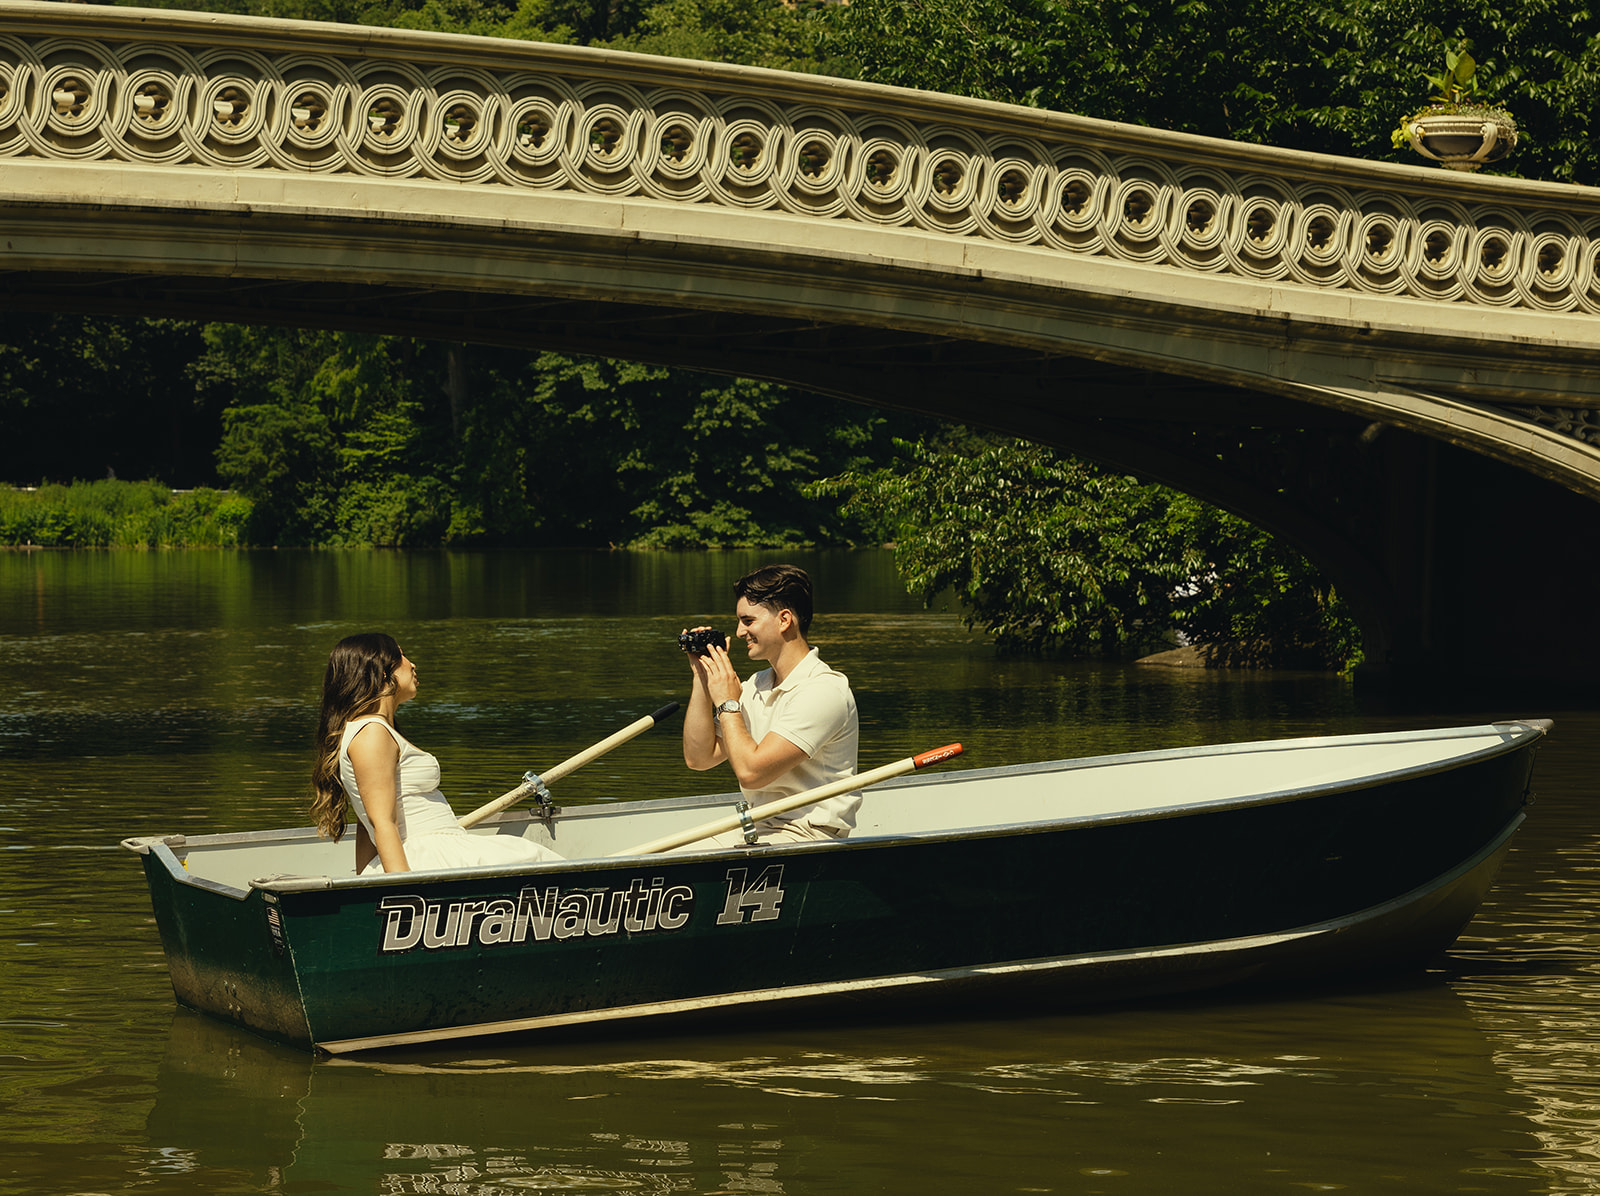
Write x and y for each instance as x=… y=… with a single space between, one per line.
x=790 y=727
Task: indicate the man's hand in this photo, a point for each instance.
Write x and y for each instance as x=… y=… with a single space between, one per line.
x=721 y=679
x=701 y=747
x=697 y=662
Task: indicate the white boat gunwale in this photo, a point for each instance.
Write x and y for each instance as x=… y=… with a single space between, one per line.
x=1512 y=733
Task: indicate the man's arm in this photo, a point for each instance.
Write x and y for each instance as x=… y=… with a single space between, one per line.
x=755 y=765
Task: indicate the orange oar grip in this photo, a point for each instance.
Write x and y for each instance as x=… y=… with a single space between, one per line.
x=937 y=756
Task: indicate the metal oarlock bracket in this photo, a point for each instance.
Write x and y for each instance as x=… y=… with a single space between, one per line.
x=750 y=836
x=541 y=795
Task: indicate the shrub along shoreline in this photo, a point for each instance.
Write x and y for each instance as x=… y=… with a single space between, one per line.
x=118 y=514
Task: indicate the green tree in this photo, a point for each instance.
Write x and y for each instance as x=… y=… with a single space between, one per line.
x=1331 y=76
x=444 y=16
x=766 y=33
x=591 y=451
x=353 y=439
x=784 y=34
x=1254 y=600
x=581 y=21
x=279 y=458
x=331 y=435
x=1052 y=554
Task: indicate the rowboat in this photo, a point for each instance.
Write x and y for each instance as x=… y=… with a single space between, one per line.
x=1067 y=882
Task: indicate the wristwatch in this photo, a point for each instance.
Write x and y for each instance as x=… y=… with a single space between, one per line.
x=731 y=706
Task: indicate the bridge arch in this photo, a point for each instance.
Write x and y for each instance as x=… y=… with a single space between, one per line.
x=1316 y=343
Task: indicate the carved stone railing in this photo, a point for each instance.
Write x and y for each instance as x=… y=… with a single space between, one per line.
x=168 y=89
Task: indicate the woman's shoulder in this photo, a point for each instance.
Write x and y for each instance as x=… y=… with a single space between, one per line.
x=357 y=725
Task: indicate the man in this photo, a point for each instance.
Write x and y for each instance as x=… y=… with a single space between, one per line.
x=790 y=727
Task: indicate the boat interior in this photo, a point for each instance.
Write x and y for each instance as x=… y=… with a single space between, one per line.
x=1144 y=784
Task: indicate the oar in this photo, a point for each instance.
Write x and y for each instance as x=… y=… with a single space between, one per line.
x=821 y=793
x=532 y=784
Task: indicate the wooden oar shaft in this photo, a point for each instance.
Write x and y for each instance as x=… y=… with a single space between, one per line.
x=569 y=766
x=795 y=800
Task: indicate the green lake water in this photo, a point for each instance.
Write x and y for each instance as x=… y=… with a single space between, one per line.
x=150 y=693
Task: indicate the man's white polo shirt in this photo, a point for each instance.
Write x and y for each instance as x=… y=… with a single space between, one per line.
x=814 y=710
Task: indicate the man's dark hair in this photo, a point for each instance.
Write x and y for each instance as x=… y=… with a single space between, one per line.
x=781 y=587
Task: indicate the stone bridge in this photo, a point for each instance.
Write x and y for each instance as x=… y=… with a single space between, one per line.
x=1396 y=368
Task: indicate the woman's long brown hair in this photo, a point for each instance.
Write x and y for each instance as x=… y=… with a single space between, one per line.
x=360 y=672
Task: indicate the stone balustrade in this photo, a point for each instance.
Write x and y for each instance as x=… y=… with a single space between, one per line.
x=189 y=90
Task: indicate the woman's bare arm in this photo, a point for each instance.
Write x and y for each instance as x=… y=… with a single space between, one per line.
x=375 y=759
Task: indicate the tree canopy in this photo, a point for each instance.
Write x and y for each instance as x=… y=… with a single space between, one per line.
x=1332 y=76
x=357 y=439
x=1055 y=555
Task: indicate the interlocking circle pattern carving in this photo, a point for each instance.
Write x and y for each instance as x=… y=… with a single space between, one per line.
x=85 y=99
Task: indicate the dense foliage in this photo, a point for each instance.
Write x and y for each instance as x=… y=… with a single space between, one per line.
x=340 y=438
x=1052 y=554
x=1332 y=76
x=771 y=33
x=347 y=439
x=114 y=514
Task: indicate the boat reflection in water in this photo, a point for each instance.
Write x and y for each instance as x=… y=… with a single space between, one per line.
x=1376 y=1090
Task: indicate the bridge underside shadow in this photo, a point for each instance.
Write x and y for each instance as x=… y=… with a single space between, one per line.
x=1461 y=568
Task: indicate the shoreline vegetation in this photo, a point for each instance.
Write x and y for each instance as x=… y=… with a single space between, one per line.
x=117 y=514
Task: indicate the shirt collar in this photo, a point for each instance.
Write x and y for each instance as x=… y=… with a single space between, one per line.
x=809 y=663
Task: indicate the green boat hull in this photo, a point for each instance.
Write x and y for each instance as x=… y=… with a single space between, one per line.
x=1273 y=887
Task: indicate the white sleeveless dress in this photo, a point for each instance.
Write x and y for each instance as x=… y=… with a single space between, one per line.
x=429 y=831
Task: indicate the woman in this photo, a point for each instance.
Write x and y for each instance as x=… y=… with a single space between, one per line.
x=365 y=764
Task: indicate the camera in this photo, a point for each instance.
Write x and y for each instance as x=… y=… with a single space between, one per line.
x=695 y=642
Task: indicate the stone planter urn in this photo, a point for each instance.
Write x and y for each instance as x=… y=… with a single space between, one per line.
x=1462 y=140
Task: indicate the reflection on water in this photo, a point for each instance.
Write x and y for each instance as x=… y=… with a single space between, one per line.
x=157 y=693
x=1182 y=1098
x=1531 y=964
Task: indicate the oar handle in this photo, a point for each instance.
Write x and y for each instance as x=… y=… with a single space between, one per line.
x=567 y=767
x=795 y=800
